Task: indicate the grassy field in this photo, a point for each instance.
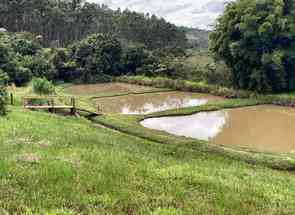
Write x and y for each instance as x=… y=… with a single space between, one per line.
x=68 y=166
x=51 y=164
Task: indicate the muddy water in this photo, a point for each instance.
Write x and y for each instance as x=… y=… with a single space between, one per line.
x=109 y=88
x=149 y=103
x=261 y=128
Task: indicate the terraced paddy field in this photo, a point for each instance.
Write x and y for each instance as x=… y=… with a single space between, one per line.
x=52 y=164
x=153 y=102
x=108 y=89
x=260 y=128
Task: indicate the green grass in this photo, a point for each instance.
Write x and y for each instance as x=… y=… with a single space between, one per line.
x=67 y=166
x=130 y=125
x=55 y=165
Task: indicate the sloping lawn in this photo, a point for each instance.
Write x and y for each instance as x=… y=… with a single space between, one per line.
x=68 y=166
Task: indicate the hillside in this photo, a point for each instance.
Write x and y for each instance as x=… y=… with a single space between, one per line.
x=60 y=23
x=61 y=165
x=197 y=38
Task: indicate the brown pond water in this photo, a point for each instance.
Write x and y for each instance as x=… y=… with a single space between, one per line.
x=149 y=103
x=108 y=88
x=261 y=128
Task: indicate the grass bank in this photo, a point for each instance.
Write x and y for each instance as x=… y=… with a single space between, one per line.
x=284 y=99
x=56 y=165
x=130 y=125
x=189 y=86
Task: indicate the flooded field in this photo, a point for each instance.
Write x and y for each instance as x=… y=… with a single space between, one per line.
x=108 y=88
x=261 y=128
x=149 y=103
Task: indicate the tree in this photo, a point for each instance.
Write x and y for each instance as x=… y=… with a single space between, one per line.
x=133 y=58
x=256 y=40
x=42 y=86
x=98 y=57
x=39 y=66
x=63 y=22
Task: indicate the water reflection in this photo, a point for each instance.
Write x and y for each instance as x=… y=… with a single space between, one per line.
x=204 y=126
x=149 y=103
x=262 y=128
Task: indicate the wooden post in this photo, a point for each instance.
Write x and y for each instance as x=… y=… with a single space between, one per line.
x=11 y=99
x=51 y=109
x=73 y=103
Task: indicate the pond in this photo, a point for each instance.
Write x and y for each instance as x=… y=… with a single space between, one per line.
x=106 y=89
x=153 y=102
x=261 y=128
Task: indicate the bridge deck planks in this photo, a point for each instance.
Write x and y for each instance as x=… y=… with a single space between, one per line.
x=49 y=107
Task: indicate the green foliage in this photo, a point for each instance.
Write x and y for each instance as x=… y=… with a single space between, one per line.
x=256 y=39
x=61 y=23
x=65 y=67
x=98 y=57
x=40 y=66
x=25 y=47
x=21 y=58
x=167 y=211
x=197 y=67
x=42 y=86
x=138 y=60
x=18 y=74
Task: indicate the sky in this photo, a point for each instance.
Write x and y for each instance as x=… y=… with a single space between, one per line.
x=191 y=13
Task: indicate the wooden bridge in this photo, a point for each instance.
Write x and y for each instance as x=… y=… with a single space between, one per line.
x=53 y=104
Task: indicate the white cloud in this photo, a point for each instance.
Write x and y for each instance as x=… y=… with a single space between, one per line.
x=193 y=13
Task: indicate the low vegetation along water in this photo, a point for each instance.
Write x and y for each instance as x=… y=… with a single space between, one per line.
x=149 y=103
x=262 y=128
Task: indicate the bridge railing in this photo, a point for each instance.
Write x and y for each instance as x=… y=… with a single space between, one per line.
x=48 y=101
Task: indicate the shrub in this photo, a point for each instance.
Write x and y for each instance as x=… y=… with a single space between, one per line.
x=25 y=47
x=42 y=86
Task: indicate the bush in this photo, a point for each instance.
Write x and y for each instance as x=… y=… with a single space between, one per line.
x=42 y=86
x=25 y=47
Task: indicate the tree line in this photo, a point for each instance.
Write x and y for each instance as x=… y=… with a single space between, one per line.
x=62 y=22
x=256 y=39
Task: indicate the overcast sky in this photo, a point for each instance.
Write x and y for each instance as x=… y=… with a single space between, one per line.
x=193 y=13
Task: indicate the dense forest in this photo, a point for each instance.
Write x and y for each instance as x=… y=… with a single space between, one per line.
x=256 y=40
x=61 y=22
